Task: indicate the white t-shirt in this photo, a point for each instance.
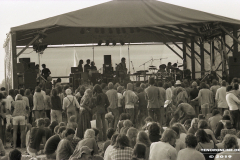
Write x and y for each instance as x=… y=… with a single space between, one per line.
x=106 y=154
x=120 y=97
x=162 y=150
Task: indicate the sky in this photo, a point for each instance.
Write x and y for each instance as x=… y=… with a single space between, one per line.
x=18 y=12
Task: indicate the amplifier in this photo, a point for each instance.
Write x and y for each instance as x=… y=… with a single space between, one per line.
x=24 y=60
x=25 y=67
x=75 y=70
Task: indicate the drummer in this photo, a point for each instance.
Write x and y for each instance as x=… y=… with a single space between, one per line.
x=162 y=68
x=169 y=67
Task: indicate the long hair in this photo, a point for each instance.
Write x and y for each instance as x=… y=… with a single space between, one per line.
x=181 y=128
x=202 y=136
x=230 y=142
x=168 y=134
x=122 y=141
x=139 y=151
x=202 y=124
x=54 y=92
x=11 y=93
x=142 y=137
x=27 y=92
x=154 y=129
x=194 y=120
x=97 y=89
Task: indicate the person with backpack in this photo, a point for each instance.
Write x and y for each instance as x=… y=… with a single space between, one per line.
x=70 y=104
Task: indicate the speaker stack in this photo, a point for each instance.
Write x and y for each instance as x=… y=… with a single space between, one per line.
x=76 y=77
x=234 y=67
x=107 y=69
x=26 y=73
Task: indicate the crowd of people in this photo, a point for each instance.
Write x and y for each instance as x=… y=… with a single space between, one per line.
x=188 y=120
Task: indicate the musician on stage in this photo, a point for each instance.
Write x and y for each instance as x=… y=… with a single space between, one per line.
x=80 y=67
x=169 y=67
x=93 y=67
x=87 y=66
x=122 y=70
x=45 y=71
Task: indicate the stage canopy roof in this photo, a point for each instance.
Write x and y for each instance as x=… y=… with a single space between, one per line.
x=125 y=21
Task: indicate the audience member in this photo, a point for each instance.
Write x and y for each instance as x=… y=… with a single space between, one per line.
x=37 y=138
x=65 y=149
x=89 y=140
x=143 y=138
x=121 y=149
x=190 y=152
x=165 y=148
x=132 y=136
x=52 y=144
x=139 y=152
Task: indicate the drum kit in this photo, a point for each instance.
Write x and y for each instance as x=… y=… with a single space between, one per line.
x=155 y=72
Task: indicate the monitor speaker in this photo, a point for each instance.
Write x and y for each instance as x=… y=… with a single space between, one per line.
x=24 y=60
x=107 y=59
x=75 y=70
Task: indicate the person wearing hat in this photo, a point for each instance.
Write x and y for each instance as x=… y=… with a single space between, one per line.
x=70 y=104
x=176 y=91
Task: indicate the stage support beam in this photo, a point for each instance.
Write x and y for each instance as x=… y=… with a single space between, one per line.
x=193 y=59
x=213 y=55
x=184 y=55
x=184 y=42
x=235 y=48
x=193 y=40
x=202 y=59
x=14 y=61
x=173 y=51
x=234 y=33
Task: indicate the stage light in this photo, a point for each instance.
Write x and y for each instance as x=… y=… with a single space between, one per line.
x=100 y=43
x=123 y=30
x=107 y=43
x=121 y=42
x=114 y=43
x=118 y=30
x=82 y=31
x=110 y=30
x=96 y=30
x=102 y=30
x=131 y=30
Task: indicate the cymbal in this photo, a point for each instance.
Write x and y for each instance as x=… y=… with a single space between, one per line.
x=152 y=67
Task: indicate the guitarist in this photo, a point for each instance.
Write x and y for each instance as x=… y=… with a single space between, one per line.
x=122 y=70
